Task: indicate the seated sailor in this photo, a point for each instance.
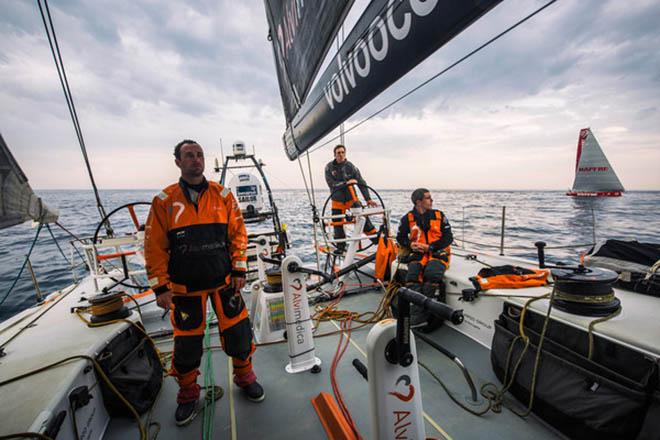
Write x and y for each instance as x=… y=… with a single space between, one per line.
x=425 y=233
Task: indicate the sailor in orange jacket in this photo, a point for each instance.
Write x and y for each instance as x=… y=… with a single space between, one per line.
x=195 y=248
x=426 y=232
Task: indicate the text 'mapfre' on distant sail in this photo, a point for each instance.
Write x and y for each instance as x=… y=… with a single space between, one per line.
x=594 y=175
x=390 y=38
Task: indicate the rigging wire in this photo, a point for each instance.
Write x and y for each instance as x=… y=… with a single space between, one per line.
x=20 y=272
x=64 y=82
x=58 y=245
x=316 y=244
x=419 y=86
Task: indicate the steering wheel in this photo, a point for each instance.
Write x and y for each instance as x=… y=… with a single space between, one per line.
x=138 y=227
x=348 y=217
x=131 y=211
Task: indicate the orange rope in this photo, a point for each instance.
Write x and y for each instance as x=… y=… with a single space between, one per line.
x=341 y=349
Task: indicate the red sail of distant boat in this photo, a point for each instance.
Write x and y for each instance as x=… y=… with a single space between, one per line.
x=594 y=176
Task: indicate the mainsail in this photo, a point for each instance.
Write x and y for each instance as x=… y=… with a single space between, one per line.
x=301 y=33
x=594 y=176
x=17 y=200
x=390 y=38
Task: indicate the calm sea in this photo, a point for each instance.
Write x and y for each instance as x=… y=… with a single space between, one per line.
x=476 y=216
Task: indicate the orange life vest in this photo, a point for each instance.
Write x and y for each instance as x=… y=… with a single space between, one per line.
x=417 y=235
x=385 y=254
x=510 y=277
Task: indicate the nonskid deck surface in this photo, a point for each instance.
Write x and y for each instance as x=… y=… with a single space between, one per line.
x=287 y=411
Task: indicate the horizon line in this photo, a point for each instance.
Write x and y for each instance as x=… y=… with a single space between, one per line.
x=324 y=189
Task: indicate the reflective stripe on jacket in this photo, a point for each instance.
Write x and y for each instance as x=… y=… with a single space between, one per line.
x=194 y=246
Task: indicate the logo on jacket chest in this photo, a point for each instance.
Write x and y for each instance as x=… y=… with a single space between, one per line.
x=179 y=207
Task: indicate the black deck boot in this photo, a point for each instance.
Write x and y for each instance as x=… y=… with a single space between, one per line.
x=254 y=392
x=185 y=413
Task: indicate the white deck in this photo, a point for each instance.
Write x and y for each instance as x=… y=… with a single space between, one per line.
x=56 y=335
x=636 y=327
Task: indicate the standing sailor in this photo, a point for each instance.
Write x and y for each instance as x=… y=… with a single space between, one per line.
x=341 y=177
x=426 y=233
x=195 y=248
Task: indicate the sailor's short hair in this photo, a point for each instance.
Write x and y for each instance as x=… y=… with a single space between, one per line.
x=177 y=147
x=418 y=194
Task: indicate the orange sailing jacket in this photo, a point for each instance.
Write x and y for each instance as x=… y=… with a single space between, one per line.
x=194 y=246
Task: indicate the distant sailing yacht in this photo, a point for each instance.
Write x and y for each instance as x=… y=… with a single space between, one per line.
x=594 y=176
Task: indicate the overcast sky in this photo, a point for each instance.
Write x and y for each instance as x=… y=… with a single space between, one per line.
x=146 y=74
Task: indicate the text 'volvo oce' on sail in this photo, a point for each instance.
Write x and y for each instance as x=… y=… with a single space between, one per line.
x=17 y=200
x=594 y=176
x=390 y=38
x=301 y=33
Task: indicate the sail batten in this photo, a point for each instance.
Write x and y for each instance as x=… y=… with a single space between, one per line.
x=18 y=203
x=390 y=38
x=594 y=174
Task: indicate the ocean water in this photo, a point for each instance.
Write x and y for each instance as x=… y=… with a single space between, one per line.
x=476 y=217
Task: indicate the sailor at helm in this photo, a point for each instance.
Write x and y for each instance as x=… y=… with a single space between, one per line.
x=341 y=177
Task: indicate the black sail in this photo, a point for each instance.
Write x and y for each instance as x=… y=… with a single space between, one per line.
x=18 y=203
x=301 y=33
x=390 y=38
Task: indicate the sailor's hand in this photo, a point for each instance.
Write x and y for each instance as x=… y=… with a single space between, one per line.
x=371 y=203
x=351 y=182
x=164 y=300
x=419 y=247
x=237 y=283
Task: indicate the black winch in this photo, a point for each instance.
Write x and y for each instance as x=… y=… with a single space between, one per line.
x=107 y=307
x=582 y=290
x=585 y=291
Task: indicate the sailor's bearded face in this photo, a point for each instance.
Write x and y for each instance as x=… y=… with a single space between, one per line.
x=192 y=160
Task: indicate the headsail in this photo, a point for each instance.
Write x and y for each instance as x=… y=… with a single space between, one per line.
x=593 y=173
x=390 y=38
x=17 y=200
x=301 y=34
